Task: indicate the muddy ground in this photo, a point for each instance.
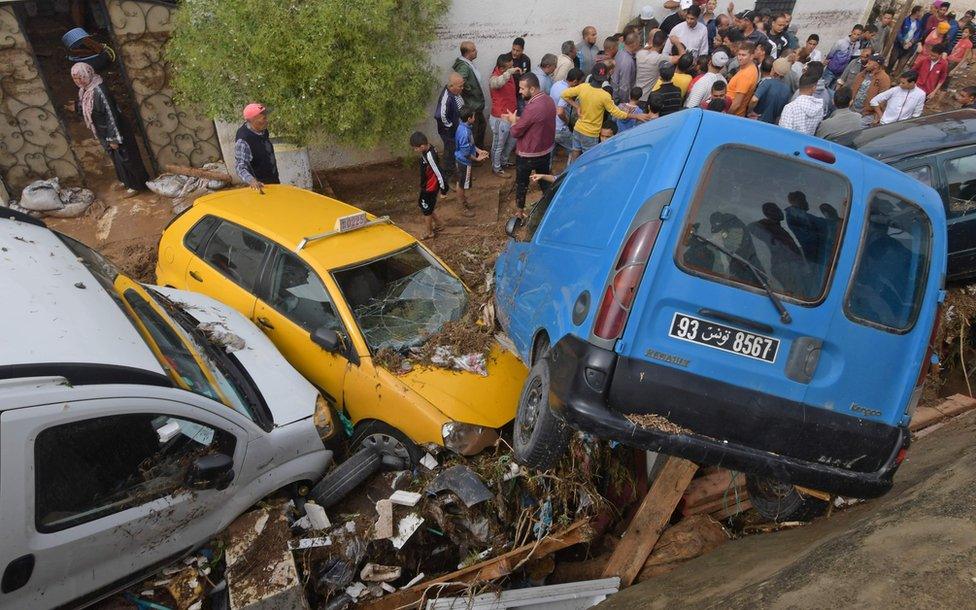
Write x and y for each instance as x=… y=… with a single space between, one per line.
x=914 y=548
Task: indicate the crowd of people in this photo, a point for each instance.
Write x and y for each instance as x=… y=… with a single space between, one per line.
x=748 y=63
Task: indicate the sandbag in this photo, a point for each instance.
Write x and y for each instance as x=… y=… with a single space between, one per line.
x=167 y=185
x=42 y=196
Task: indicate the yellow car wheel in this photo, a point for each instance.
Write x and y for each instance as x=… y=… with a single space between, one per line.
x=397 y=450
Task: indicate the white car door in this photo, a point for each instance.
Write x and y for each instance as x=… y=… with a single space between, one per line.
x=96 y=492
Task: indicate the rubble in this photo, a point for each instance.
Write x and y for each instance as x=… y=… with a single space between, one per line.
x=463 y=482
x=261 y=571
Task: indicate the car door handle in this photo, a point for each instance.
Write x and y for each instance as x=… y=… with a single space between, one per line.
x=264 y=322
x=196 y=276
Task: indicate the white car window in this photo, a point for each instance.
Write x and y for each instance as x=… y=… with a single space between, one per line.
x=85 y=470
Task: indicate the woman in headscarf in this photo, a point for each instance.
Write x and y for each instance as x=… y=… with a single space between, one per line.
x=101 y=115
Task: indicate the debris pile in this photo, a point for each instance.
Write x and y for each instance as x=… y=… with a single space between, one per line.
x=48 y=198
x=184 y=184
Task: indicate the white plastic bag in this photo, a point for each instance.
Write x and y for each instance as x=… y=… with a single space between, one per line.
x=42 y=196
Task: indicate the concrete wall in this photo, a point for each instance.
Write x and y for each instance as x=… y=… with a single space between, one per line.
x=545 y=25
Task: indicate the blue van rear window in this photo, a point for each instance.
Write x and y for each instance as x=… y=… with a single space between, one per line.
x=893 y=264
x=756 y=212
x=592 y=199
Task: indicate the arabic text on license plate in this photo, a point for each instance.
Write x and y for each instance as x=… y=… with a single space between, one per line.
x=723 y=337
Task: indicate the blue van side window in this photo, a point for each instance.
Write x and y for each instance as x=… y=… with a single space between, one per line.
x=592 y=199
x=538 y=211
x=782 y=216
x=893 y=265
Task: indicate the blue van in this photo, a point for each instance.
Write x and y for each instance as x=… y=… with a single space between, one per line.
x=728 y=292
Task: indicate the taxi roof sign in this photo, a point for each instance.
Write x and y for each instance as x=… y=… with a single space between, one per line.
x=345 y=224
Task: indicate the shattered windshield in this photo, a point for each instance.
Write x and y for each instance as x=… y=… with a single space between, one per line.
x=400 y=300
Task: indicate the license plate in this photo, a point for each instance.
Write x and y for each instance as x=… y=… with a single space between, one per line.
x=725 y=338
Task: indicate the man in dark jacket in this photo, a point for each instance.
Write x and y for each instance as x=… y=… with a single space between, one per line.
x=473 y=93
x=535 y=137
x=254 y=157
x=447 y=114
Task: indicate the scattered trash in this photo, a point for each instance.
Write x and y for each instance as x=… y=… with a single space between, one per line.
x=308 y=543
x=463 y=482
x=261 y=571
x=428 y=461
x=355 y=590
x=384 y=520
x=414 y=580
x=577 y=595
x=405 y=498
x=472 y=363
x=317 y=517
x=219 y=334
x=405 y=529
x=373 y=572
x=48 y=198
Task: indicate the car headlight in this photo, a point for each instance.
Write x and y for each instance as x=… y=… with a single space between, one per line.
x=467 y=439
x=323 y=418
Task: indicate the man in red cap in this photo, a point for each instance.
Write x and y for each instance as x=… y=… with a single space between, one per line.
x=254 y=157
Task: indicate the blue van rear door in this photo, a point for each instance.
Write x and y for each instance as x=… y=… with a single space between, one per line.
x=877 y=339
x=740 y=211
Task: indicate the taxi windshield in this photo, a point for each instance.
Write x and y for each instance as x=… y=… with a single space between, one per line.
x=401 y=299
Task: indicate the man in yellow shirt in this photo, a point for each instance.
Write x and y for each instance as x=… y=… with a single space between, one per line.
x=593 y=102
x=743 y=85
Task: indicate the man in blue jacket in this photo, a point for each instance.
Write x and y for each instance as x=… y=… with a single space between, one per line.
x=447 y=114
x=906 y=40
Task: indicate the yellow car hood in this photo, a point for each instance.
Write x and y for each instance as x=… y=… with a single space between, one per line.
x=468 y=397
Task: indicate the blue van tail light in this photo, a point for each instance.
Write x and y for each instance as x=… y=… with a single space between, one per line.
x=820 y=154
x=619 y=295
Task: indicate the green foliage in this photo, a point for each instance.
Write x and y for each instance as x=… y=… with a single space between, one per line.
x=358 y=72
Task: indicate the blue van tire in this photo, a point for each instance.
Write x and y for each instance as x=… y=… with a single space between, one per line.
x=345 y=477
x=539 y=438
x=781 y=501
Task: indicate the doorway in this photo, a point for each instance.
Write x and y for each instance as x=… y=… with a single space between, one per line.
x=44 y=23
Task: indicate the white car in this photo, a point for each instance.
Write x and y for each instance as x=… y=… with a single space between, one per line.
x=128 y=435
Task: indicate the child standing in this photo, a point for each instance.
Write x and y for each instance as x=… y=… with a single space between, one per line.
x=466 y=153
x=631 y=107
x=431 y=182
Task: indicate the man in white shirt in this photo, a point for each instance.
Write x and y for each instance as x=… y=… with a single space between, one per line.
x=703 y=86
x=905 y=101
x=692 y=34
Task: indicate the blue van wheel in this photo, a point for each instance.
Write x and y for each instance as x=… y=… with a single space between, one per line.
x=540 y=439
x=778 y=501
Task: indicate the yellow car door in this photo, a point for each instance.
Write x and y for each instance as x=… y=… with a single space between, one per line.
x=228 y=266
x=293 y=305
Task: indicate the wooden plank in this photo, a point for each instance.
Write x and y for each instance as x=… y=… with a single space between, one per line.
x=732 y=510
x=711 y=487
x=650 y=520
x=719 y=504
x=925 y=417
x=486 y=570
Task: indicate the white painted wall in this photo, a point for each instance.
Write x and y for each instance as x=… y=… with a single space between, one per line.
x=545 y=25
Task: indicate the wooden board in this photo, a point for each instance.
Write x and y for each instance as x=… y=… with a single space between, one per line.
x=650 y=520
x=721 y=503
x=711 y=487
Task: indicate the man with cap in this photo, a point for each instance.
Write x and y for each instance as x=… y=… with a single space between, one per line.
x=703 y=86
x=254 y=157
x=593 y=101
x=746 y=22
x=773 y=93
x=867 y=84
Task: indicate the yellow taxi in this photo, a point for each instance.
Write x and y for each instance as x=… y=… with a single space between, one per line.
x=331 y=286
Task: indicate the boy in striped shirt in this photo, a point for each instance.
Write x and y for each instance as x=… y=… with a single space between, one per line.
x=432 y=182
